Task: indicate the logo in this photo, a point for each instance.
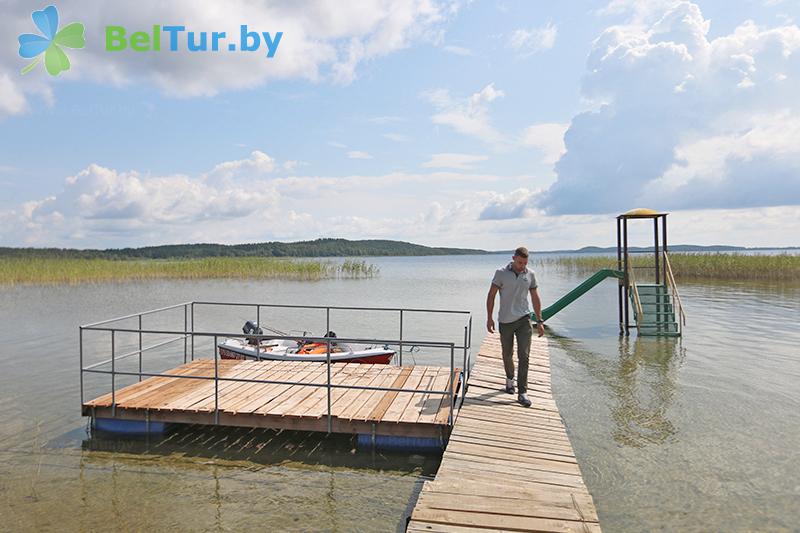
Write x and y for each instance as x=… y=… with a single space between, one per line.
x=176 y=38
x=50 y=42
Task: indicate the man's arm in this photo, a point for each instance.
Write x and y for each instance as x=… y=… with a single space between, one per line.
x=490 y=307
x=537 y=309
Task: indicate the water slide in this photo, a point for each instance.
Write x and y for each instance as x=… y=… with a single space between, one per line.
x=579 y=291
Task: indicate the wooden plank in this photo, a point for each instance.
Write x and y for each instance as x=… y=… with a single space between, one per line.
x=466 y=467
x=501 y=441
x=362 y=405
x=432 y=404
x=258 y=394
x=253 y=391
x=417 y=401
x=197 y=391
x=395 y=410
x=351 y=373
x=204 y=400
x=170 y=388
x=534 y=506
x=387 y=397
x=290 y=400
x=497 y=521
x=297 y=372
x=232 y=391
x=559 y=496
x=341 y=399
x=506 y=468
x=522 y=460
x=444 y=410
x=148 y=385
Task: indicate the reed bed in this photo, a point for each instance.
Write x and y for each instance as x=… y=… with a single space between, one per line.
x=717 y=266
x=55 y=270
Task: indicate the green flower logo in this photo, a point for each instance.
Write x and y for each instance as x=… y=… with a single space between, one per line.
x=50 y=42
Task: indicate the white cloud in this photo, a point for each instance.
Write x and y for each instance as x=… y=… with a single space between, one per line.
x=358 y=154
x=469 y=115
x=328 y=41
x=681 y=121
x=101 y=206
x=12 y=99
x=528 y=42
x=104 y=207
x=452 y=160
x=518 y=203
x=548 y=138
x=258 y=163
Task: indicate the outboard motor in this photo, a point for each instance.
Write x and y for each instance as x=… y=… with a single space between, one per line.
x=251 y=328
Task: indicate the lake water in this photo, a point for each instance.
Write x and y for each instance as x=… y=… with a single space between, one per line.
x=692 y=434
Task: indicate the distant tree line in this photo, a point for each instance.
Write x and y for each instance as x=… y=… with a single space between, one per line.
x=315 y=248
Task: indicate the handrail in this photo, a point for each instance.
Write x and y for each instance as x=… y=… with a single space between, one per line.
x=189 y=332
x=637 y=302
x=148 y=312
x=674 y=290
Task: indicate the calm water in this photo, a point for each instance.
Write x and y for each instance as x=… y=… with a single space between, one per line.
x=676 y=435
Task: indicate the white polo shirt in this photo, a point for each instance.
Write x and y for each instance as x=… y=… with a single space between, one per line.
x=514 y=288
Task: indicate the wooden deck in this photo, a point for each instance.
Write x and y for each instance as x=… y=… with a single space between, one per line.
x=506 y=468
x=281 y=406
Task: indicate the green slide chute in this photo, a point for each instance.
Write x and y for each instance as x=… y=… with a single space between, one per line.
x=579 y=291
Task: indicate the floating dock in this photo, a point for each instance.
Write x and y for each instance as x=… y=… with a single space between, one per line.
x=296 y=397
x=506 y=468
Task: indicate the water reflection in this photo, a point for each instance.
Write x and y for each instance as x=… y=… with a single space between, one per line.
x=641 y=383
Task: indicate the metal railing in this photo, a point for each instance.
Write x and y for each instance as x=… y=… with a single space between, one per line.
x=637 y=302
x=189 y=334
x=676 y=298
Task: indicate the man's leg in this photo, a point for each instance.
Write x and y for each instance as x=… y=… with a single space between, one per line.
x=524 y=332
x=507 y=345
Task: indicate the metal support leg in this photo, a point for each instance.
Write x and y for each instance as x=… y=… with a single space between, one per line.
x=113 y=377
x=216 y=383
x=328 y=361
x=401 y=337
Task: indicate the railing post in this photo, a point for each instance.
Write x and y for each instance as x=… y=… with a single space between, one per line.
x=193 y=332
x=451 y=383
x=469 y=358
x=80 y=352
x=113 y=377
x=216 y=383
x=464 y=368
x=328 y=360
x=258 y=315
x=185 y=330
x=140 y=347
x=401 y=337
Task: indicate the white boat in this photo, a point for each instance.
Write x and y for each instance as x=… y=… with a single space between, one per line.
x=291 y=350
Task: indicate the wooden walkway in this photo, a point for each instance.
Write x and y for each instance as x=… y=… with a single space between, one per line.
x=506 y=468
x=280 y=406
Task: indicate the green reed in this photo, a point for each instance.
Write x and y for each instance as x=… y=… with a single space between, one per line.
x=723 y=266
x=56 y=270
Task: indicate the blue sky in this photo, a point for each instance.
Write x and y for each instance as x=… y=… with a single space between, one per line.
x=484 y=124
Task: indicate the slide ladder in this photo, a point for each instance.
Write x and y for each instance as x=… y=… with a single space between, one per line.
x=657 y=318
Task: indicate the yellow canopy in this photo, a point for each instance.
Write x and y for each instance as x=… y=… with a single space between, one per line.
x=642 y=212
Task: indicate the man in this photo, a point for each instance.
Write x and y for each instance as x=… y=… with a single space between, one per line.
x=514 y=282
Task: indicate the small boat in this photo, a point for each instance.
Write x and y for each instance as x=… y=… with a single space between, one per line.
x=291 y=350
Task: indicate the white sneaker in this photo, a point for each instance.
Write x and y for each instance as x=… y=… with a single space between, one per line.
x=523 y=400
x=510 y=386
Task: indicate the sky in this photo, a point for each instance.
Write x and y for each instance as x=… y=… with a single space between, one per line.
x=441 y=122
